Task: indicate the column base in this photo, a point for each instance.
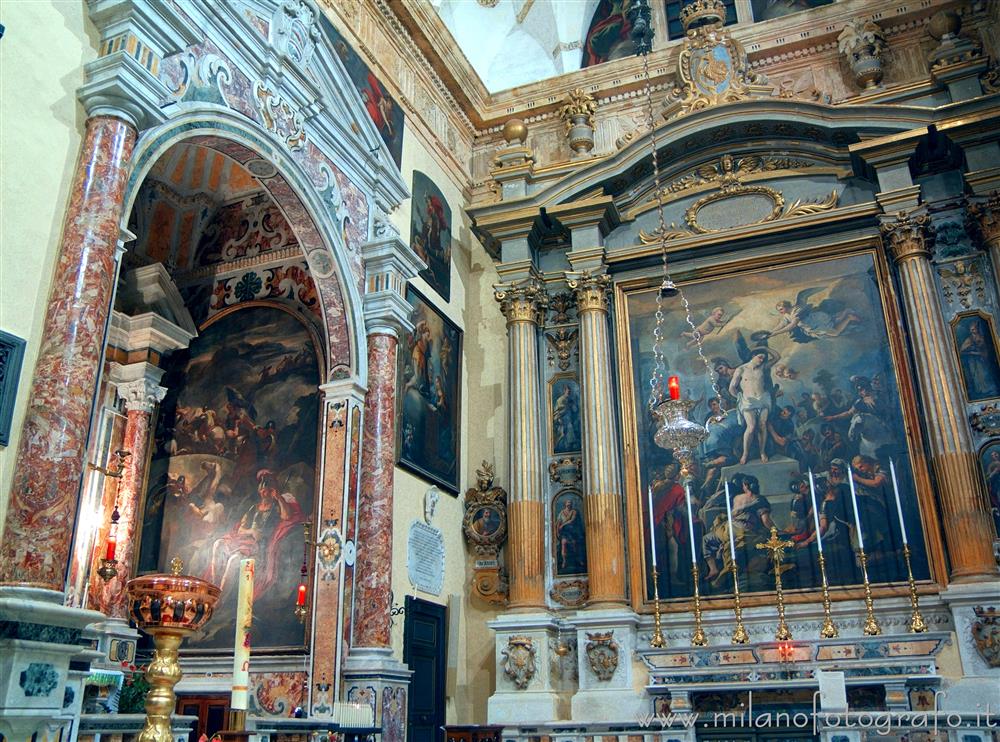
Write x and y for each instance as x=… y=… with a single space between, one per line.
x=622 y=705
x=373 y=676
x=521 y=707
x=40 y=639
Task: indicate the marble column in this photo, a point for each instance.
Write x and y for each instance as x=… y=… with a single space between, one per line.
x=374 y=564
x=968 y=527
x=601 y=465
x=50 y=457
x=521 y=304
x=986 y=214
x=141 y=397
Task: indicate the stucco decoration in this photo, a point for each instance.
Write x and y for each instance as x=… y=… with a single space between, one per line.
x=519 y=661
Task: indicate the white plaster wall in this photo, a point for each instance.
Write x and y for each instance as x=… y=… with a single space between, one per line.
x=42 y=53
x=483 y=435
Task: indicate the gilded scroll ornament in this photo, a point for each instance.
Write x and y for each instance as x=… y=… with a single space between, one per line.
x=909 y=236
x=986 y=419
x=728 y=168
x=562 y=343
x=485 y=529
x=986 y=634
x=560 y=306
x=565 y=471
x=602 y=654
x=522 y=301
x=519 y=661
x=570 y=593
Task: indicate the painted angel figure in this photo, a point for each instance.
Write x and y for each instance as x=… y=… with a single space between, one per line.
x=805 y=322
x=713 y=323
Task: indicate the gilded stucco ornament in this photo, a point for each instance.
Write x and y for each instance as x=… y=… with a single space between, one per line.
x=519 y=661
x=768 y=203
x=986 y=419
x=578 y=114
x=862 y=42
x=908 y=236
x=591 y=290
x=521 y=301
x=986 y=634
x=962 y=283
x=602 y=654
x=570 y=593
x=485 y=529
x=561 y=343
x=986 y=216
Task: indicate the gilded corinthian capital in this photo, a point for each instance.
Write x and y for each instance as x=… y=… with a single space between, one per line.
x=909 y=236
x=987 y=218
x=521 y=301
x=591 y=290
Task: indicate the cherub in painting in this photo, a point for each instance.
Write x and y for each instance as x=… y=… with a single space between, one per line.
x=713 y=323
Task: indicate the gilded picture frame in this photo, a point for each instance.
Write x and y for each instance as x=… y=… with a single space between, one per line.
x=565 y=428
x=636 y=508
x=978 y=350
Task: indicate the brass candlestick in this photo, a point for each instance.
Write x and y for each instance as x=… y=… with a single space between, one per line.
x=777 y=548
x=740 y=635
x=698 y=638
x=872 y=627
x=829 y=630
x=917 y=623
x=657 y=640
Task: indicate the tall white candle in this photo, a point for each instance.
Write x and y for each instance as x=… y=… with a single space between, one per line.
x=854 y=502
x=241 y=648
x=652 y=525
x=732 y=538
x=899 y=506
x=812 y=494
x=687 y=496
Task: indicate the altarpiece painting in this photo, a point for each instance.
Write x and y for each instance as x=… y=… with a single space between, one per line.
x=233 y=473
x=809 y=381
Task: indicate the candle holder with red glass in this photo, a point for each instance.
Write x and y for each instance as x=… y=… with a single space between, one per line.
x=109 y=564
x=301 y=608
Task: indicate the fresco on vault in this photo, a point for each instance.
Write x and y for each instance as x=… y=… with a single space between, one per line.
x=808 y=381
x=233 y=472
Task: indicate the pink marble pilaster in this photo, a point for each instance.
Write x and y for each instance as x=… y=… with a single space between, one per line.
x=141 y=397
x=50 y=457
x=374 y=561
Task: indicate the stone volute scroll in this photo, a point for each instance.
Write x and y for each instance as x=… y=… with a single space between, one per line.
x=485 y=528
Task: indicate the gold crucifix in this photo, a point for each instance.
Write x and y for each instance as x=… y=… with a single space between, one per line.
x=777 y=548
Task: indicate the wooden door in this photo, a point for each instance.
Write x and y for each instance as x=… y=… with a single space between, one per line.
x=212 y=713
x=425 y=651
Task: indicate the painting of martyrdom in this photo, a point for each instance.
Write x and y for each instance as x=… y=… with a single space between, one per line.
x=977 y=351
x=765 y=10
x=233 y=472
x=806 y=382
x=989 y=459
x=569 y=544
x=429 y=358
x=608 y=35
x=384 y=111
x=430 y=233
x=564 y=415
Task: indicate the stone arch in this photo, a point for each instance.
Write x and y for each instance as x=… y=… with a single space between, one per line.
x=311 y=211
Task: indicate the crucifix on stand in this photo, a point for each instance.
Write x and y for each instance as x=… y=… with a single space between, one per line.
x=777 y=548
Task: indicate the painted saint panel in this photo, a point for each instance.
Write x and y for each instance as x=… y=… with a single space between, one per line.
x=804 y=364
x=569 y=545
x=564 y=415
x=989 y=459
x=976 y=341
x=430 y=233
x=430 y=367
x=383 y=109
x=233 y=472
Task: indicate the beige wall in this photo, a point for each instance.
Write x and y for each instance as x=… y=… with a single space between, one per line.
x=483 y=434
x=42 y=54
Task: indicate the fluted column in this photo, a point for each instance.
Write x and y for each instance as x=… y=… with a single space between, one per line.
x=521 y=303
x=141 y=397
x=968 y=527
x=50 y=456
x=987 y=219
x=602 y=500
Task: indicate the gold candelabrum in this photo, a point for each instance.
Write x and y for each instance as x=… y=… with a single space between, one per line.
x=777 y=548
x=168 y=607
x=872 y=627
x=657 y=640
x=829 y=630
x=740 y=635
x=698 y=638
x=917 y=623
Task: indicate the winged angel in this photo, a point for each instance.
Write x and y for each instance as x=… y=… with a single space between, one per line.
x=718 y=318
x=805 y=322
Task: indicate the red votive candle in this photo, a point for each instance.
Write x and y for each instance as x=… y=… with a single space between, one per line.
x=112 y=545
x=674 y=386
x=301 y=599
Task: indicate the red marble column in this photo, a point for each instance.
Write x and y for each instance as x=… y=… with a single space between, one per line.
x=50 y=457
x=140 y=398
x=374 y=560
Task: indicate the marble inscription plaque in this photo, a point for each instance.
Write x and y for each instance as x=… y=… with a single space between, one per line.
x=425 y=557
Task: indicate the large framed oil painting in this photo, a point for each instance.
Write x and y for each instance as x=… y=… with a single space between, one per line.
x=976 y=341
x=384 y=111
x=989 y=459
x=430 y=394
x=430 y=233
x=809 y=382
x=233 y=471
